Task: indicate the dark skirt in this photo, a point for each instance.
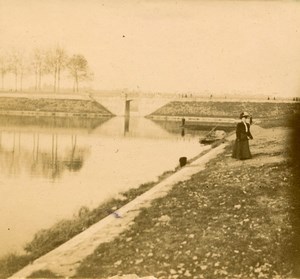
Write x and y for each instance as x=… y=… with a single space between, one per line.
x=241 y=150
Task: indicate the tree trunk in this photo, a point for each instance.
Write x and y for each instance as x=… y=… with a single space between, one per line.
x=58 y=79
x=36 y=80
x=40 y=81
x=76 y=83
x=55 y=74
x=16 y=81
x=40 y=77
x=21 y=82
x=2 y=79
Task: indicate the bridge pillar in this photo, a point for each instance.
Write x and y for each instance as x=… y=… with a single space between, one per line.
x=127 y=108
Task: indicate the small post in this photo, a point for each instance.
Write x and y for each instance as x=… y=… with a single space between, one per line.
x=127 y=106
x=182 y=122
x=182 y=161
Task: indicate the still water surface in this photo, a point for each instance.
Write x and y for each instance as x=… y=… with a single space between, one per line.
x=49 y=168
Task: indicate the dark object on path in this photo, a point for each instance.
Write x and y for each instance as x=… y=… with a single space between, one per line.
x=182 y=161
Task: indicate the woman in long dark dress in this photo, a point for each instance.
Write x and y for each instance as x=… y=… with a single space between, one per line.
x=241 y=148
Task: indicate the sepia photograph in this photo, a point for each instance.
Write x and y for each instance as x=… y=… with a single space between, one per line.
x=149 y=139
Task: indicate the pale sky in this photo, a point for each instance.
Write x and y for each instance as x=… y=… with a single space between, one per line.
x=167 y=45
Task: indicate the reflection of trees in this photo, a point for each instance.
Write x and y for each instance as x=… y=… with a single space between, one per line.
x=50 y=164
x=74 y=164
x=52 y=122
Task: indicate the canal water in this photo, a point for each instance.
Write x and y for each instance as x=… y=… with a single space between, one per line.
x=51 y=167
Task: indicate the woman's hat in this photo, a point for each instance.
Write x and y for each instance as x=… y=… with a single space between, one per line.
x=244 y=114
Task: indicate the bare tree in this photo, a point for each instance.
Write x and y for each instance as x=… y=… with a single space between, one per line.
x=51 y=66
x=39 y=66
x=23 y=69
x=79 y=70
x=56 y=60
x=3 y=68
x=62 y=60
x=15 y=59
x=18 y=66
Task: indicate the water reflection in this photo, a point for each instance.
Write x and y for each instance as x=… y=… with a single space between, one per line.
x=191 y=128
x=43 y=146
x=182 y=132
x=40 y=154
x=59 y=124
x=180 y=128
x=131 y=127
x=126 y=124
x=29 y=143
x=51 y=167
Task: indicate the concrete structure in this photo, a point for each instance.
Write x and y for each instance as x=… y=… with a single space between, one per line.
x=140 y=106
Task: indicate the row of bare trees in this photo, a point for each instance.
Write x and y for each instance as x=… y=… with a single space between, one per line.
x=41 y=62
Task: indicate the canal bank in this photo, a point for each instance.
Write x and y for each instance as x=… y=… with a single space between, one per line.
x=59 y=105
x=233 y=219
x=215 y=218
x=227 y=109
x=65 y=259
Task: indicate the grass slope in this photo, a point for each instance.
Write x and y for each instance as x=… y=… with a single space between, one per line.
x=52 y=105
x=227 y=109
x=232 y=220
x=48 y=239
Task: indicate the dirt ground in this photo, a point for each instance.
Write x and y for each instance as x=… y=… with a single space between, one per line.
x=232 y=220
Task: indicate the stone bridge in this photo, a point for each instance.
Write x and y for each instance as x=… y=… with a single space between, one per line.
x=139 y=106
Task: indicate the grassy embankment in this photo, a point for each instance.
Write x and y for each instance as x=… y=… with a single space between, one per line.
x=271 y=113
x=53 y=106
x=226 y=109
x=235 y=219
x=48 y=239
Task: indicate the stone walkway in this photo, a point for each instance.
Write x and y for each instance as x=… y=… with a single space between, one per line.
x=66 y=258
